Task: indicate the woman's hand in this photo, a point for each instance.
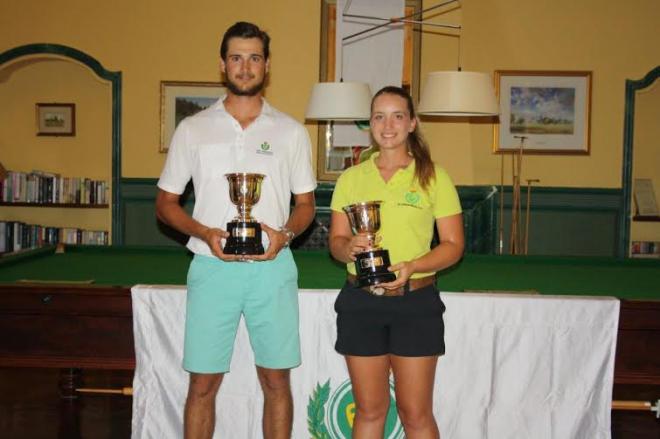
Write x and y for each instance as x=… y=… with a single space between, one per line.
x=405 y=269
x=357 y=244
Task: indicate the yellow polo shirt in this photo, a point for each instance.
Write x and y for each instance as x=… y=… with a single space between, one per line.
x=407 y=214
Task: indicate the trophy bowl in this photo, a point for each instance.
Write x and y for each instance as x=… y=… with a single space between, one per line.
x=244 y=230
x=370 y=265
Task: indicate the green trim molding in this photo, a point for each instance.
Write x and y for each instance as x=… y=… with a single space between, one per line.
x=564 y=221
x=632 y=87
x=115 y=80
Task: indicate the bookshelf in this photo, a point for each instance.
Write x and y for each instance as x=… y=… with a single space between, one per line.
x=58 y=205
x=24 y=192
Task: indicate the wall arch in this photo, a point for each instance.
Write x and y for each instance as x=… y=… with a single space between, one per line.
x=114 y=78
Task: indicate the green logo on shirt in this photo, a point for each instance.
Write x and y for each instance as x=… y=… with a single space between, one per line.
x=264 y=148
x=412 y=197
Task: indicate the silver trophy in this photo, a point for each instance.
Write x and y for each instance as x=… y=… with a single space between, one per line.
x=370 y=265
x=244 y=230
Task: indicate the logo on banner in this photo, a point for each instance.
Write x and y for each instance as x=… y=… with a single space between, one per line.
x=330 y=414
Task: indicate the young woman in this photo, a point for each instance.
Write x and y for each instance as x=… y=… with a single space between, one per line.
x=401 y=330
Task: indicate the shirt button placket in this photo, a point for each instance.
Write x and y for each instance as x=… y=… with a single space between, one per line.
x=240 y=141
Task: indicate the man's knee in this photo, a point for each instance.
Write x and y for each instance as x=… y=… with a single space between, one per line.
x=274 y=381
x=204 y=385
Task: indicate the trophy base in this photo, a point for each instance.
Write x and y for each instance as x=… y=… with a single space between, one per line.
x=244 y=238
x=371 y=267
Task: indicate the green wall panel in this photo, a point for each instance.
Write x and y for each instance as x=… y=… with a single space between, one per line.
x=564 y=221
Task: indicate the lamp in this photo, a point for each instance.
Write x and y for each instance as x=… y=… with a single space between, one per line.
x=458 y=93
x=344 y=101
x=445 y=93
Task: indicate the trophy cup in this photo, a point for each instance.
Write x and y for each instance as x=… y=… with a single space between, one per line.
x=244 y=231
x=371 y=264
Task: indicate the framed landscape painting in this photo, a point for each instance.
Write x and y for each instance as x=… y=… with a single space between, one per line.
x=549 y=111
x=179 y=100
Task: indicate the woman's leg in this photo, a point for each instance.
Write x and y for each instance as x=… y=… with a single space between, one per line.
x=413 y=385
x=371 y=389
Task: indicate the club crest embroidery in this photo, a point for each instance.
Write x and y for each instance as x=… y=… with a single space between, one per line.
x=264 y=148
x=412 y=198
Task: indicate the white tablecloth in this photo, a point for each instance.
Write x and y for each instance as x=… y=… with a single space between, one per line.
x=516 y=366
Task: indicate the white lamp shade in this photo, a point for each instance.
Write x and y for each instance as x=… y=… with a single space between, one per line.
x=339 y=101
x=457 y=93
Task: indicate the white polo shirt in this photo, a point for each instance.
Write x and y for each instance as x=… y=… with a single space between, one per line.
x=212 y=143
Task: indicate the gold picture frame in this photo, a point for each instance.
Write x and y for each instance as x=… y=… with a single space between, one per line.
x=332 y=161
x=180 y=99
x=551 y=109
x=56 y=119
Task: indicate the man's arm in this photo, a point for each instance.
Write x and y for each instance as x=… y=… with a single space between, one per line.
x=301 y=217
x=171 y=213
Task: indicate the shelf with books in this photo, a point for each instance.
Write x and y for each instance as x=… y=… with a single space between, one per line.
x=16 y=236
x=58 y=205
x=645 y=249
x=47 y=188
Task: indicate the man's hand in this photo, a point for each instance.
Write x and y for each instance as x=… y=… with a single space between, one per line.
x=213 y=238
x=277 y=242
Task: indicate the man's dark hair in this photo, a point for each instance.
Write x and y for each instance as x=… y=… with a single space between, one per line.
x=243 y=29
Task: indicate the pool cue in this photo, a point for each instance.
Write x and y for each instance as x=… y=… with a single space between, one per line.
x=638 y=405
x=516 y=208
x=127 y=391
x=512 y=241
x=529 y=201
x=501 y=228
x=519 y=196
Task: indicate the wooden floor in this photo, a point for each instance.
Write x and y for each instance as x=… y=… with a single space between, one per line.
x=31 y=408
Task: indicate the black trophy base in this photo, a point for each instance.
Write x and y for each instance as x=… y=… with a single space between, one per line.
x=244 y=238
x=371 y=267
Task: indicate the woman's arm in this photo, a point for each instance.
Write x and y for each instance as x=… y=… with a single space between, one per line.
x=445 y=254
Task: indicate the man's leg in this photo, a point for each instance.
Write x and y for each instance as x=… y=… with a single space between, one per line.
x=199 y=415
x=278 y=402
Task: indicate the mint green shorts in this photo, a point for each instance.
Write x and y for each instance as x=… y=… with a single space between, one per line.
x=264 y=293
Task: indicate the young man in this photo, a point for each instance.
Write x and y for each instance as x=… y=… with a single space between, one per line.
x=240 y=133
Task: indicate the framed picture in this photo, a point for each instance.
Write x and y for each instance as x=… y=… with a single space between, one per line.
x=333 y=157
x=56 y=119
x=179 y=99
x=550 y=110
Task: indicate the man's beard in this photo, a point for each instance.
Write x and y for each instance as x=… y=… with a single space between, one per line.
x=252 y=91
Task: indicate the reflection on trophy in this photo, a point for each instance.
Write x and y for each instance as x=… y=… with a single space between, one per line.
x=371 y=264
x=244 y=231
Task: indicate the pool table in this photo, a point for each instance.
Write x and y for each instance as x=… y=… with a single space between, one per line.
x=73 y=309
